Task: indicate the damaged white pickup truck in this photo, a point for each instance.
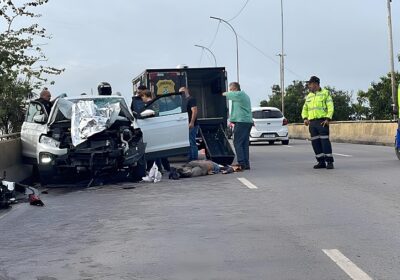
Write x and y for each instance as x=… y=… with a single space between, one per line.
x=96 y=134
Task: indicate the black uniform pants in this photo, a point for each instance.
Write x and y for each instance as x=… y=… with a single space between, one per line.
x=320 y=141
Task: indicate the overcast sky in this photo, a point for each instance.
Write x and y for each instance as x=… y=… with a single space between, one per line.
x=344 y=42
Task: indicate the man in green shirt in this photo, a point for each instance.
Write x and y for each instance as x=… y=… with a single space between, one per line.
x=241 y=116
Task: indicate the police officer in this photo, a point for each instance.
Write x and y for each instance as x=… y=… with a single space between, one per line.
x=317 y=113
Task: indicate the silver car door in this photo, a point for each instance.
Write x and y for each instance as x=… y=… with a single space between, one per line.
x=166 y=132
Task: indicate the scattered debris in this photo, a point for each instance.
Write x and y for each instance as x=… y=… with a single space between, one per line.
x=154 y=175
x=12 y=192
x=129 y=188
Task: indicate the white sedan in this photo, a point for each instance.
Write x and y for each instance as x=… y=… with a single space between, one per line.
x=269 y=126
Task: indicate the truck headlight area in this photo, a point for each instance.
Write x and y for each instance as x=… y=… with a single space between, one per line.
x=49 y=141
x=45 y=158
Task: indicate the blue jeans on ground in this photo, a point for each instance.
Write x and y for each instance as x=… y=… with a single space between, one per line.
x=241 y=136
x=193 y=152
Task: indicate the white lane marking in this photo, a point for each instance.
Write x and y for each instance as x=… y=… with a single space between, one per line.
x=247 y=183
x=346 y=265
x=342 y=155
x=2 y=216
x=288 y=146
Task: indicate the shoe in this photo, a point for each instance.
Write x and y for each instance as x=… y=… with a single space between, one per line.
x=320 y=165
x=246 y=167
x=330 y=165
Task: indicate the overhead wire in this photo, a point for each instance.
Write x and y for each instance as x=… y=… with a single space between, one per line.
x=249 y=43
x=268 y=56
x=201 y=56
x=241 y=10
x=215 y=35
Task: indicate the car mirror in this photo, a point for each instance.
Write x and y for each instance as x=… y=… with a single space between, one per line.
x=148 y=113
x=40 y=119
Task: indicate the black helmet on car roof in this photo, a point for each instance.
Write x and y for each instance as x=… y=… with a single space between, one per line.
x=104 y=88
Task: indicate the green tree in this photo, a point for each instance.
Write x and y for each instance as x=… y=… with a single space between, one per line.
x=20 y=61
x=12 y=100
x=361 y=110
x=294 y=100
x=379 y=98
x=342 y=103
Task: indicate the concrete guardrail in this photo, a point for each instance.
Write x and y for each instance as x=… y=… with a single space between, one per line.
x=11 y=159
x=358 y=132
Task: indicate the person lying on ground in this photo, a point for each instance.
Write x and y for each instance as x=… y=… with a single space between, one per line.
x=197 y=168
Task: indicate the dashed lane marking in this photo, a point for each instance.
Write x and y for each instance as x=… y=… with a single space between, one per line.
x=342 y=155
x=247 y=183
x=5 y=214
x=346 y=265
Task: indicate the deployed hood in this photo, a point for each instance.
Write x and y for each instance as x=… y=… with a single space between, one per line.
x=90 y=115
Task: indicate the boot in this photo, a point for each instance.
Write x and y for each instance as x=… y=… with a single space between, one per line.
x=320 y=165
x=329 y=165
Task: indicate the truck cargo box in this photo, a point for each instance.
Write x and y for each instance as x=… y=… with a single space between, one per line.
x=205 y=84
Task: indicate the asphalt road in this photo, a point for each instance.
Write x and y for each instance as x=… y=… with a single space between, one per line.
x=280 y=220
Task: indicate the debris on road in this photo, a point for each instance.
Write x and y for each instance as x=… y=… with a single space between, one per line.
x=12 y=192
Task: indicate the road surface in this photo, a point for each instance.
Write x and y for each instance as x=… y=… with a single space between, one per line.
x=280 y=220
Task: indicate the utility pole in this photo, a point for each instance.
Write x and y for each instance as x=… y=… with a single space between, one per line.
x=282 y=64
x=392 y=74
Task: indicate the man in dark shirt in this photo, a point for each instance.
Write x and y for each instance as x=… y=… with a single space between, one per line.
x=44 y=98
x=193 y=126
x=137 y=104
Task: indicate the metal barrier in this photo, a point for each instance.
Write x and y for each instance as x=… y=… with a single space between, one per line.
x=10 y=136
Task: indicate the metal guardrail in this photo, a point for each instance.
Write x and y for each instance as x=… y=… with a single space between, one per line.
x=10 y=136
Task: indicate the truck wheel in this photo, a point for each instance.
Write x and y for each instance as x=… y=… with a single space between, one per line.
x=271 y=142
x=285 y=142
x=139 y=171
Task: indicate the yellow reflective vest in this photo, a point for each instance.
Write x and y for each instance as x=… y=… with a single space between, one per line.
x=398 y=99
x=318 y=105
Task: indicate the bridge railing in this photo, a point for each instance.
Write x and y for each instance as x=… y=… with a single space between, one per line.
x=10 y=136
x=11 y=158
x=359 y=132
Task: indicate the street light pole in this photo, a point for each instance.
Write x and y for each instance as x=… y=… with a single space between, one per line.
x=205 y=48
x=394 y=97
x=282 y=64
x=237 y=44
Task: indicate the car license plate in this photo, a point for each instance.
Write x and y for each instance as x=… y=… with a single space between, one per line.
x=269 y=135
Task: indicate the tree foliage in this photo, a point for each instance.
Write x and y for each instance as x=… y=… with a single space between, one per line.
x=295 y=95
x=21 y=60
x=379 y=98
x=342 y=102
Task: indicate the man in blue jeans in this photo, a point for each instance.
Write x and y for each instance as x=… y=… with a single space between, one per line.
x=191 y=108
x=242 y=118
